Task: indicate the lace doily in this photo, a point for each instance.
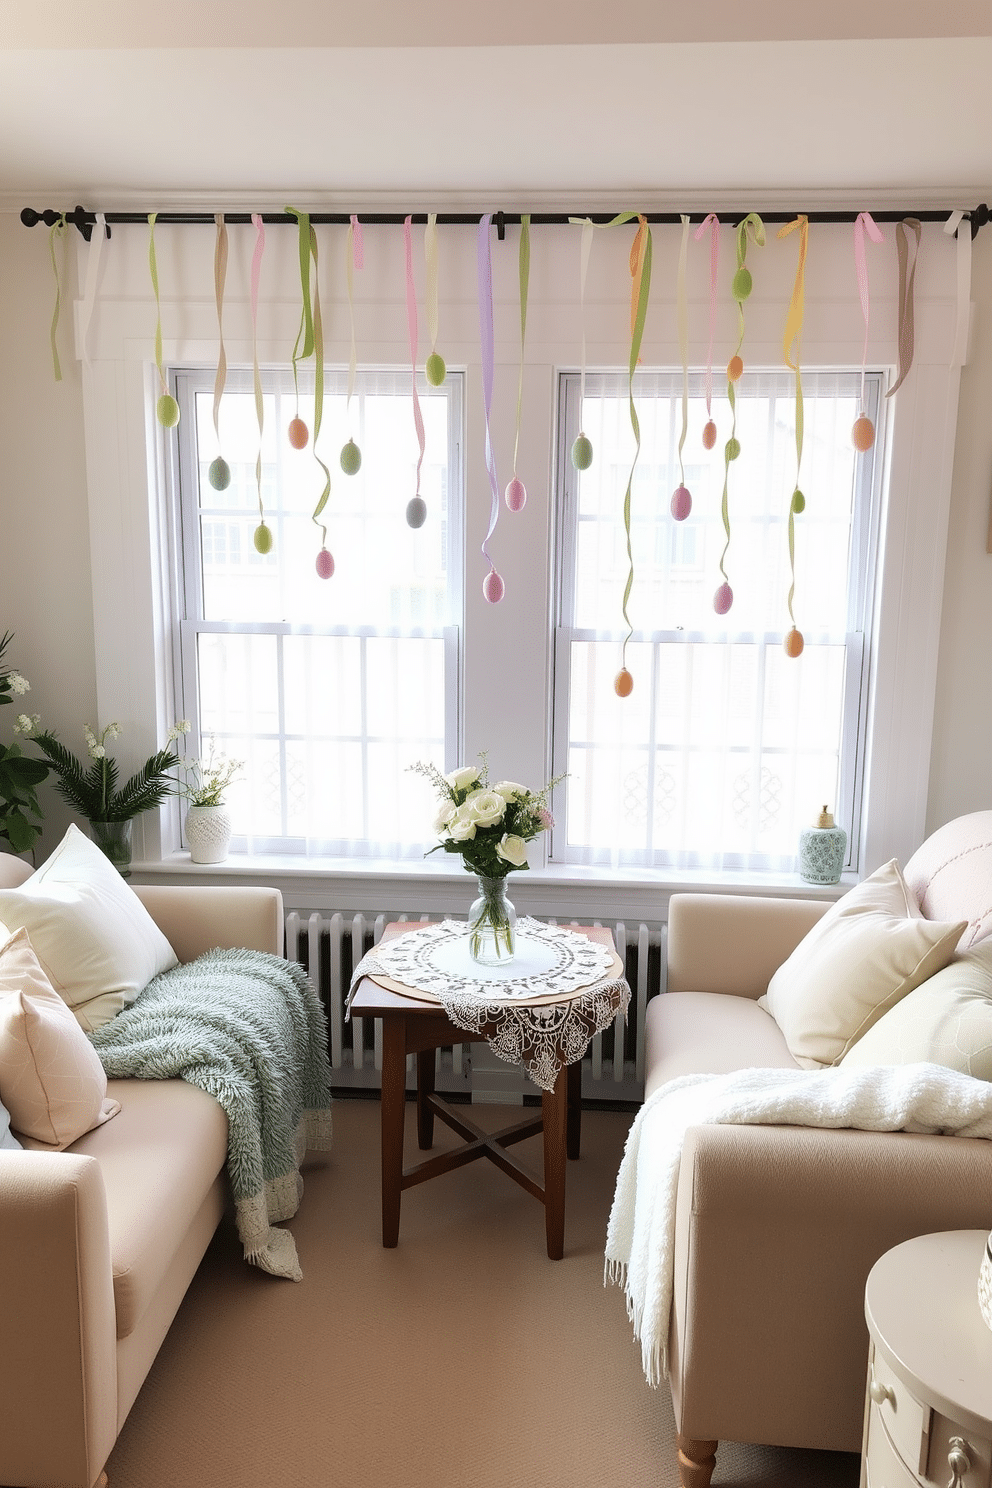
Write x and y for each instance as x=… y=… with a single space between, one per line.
x=541 y=1011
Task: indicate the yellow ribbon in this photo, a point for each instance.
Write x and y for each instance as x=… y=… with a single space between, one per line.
x=791 y=338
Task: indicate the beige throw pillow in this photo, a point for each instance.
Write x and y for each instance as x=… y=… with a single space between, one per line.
x=51 y=1079
x=946 y=1020
x=869 y=950
x=96 y=941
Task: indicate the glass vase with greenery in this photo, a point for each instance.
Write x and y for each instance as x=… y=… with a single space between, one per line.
x=20 y=813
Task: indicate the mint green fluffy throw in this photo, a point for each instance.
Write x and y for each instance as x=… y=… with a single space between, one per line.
x=249 y=1029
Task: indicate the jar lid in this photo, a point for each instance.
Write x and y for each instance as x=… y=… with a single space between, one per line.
x=825 y=819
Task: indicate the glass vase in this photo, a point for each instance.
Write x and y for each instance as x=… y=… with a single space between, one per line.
x=114 y=839
x=492 y=924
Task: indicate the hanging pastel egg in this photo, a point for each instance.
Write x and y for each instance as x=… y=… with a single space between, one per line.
x=493 y=587
x=681 y=503
x=623 y=683
x=735 y=369
x=167 y=411
x=709 y=433
x=435 y=370
x=516 y=495
x=263 y=539
x=732 y=448
x=219 y=474
x=298 y=433
x=723 y=599
x=743 y=284
x=416 y=512
x=794 y=643
x=351 y=458
x=582 y=452
x=798 y=502
x=325 y=564
x=863 y=433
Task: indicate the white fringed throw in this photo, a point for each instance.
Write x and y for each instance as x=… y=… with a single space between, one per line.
x=641 y=1231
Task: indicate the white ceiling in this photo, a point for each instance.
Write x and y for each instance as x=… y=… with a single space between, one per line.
x=449 y=103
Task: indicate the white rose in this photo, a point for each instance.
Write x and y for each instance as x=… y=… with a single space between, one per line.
x=444 y=816
x=463 y=778
x=486 y=807
x=512 y=850
x=462 y=828
x=510 y=790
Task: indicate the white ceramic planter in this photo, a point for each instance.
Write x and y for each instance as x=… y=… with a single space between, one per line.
x=208 y=833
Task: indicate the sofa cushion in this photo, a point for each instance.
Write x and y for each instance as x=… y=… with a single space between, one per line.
x=709 y=1033
x=946 y=1020
x=51 y=1079
x=159 y=1158
x=96 y=942
x=870 y=949
x=951 y=874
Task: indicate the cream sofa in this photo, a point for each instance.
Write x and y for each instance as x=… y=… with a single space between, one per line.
x=777 y=1227
x=99 y=1242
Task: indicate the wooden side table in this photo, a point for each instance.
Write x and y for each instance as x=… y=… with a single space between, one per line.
x=417 y=1027
x=928 y=1407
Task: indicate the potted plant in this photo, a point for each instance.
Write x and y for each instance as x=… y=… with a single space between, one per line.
x=208 y=822
x=20 y=814
x=92 y=789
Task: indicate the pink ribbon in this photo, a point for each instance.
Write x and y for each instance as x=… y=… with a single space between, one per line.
x=863 y=223
x=492 y=585
x=712 y=222
x=358 y=242
x=411 y=311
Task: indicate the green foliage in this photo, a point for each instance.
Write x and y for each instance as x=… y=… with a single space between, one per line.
x=20 y=813
x=92 y=790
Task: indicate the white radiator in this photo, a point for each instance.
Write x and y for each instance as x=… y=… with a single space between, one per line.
x=329 y=946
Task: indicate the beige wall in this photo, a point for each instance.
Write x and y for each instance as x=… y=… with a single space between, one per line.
x=44 y=537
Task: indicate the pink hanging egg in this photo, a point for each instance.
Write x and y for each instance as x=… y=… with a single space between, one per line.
x=723 y=599
x=493 y=587
x=709 y=435
x=623 y=683
x=516 y=495
x=325 y=564
x=298 y=433
x=681 y=503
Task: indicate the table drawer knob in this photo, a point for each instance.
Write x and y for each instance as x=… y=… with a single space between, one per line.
x=880 y=1393
x=958 y=1460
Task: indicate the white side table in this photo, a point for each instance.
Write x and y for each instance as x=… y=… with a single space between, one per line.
x=928 y=1408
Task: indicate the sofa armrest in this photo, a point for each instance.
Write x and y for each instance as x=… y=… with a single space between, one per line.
x=776 y=1231
x=195 y=919
x=58 y=1365
x=734 y=942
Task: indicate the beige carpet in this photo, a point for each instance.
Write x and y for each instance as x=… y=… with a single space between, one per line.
x=464 y=1357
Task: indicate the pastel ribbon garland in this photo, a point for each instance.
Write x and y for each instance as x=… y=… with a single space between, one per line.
x=493 y=587
x=906 y=313
x=582 y=446
x=57 y=230
x=712 y=223
x=741 y=288
x=434 y=369
x=515 y=494
x=351 y=455
x=416 y=510
x=166 y=409
x=863 y=432
x=681 y=504
x=219 y=473
x=303 y=346
x=97 y=239
x=791 y=338
x=324 y=561
x=623 y=683
x=262 y=535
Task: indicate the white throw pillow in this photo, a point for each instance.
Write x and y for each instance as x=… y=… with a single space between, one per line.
x=869 y=950
x=945 y=1020
x=51 y=1078
x=95 y=940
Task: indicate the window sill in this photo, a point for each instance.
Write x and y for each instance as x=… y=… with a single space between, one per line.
x=561 y=891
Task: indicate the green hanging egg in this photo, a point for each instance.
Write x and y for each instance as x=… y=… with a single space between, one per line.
x=219 y=474
x=582 y=452
x=798 y=501
x=263 y=539
x=351 y=458
x=167 y=411
x=435 y=369
x=742 y=284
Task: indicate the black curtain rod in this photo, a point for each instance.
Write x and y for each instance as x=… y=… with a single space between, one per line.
x=85 y=221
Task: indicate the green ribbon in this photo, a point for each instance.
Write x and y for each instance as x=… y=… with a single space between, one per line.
x=752 y=226
x=305 y=335
x=220 y=278
x=317 y=332
x=635 y=352
x=153 y=269
x=58 y=230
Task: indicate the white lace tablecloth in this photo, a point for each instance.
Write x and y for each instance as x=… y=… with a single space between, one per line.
x=540 y=1011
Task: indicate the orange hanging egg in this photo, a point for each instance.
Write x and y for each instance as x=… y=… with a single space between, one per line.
x=794 y=643
x=298 y=433
x=623 y=683
x=863 y=433
x=709 y=435
x=735 y=369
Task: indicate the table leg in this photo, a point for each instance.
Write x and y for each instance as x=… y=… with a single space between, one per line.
x=425 y=1088
x=574 y=1137
x=393 y=1109
x=554 y=1109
